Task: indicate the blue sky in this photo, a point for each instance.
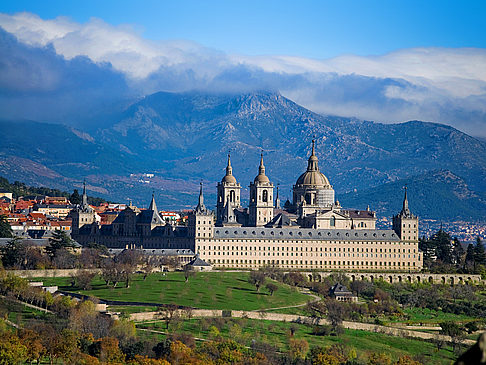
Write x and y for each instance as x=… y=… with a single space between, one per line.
x=315 y=29
x=386 y=61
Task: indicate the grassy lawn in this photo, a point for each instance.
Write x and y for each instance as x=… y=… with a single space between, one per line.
x=429 y=316
x=21 y=314
x=278 y=334
x=212 y=290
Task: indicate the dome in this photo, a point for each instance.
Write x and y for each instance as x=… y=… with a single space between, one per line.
x=261 y=177
x=313 y=178
x=229 y=179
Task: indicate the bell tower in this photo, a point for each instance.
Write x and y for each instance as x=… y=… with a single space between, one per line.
x=261 y=198
x=405 y=224
x=228 y=194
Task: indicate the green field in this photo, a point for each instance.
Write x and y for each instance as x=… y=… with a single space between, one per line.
x=431 y=317
x=211 y=290
x=21 y=314
x=277 y=334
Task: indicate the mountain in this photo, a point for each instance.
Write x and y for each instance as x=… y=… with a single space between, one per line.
x=189 y=132
x=435 y=195
x=56 y=155
x=183 y=138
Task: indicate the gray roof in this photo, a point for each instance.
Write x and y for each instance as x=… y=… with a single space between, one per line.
x=198 y=262
x=159 y=251
x=306 y=234
x=339 y=289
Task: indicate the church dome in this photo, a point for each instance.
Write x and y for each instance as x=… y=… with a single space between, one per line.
x=313 y=177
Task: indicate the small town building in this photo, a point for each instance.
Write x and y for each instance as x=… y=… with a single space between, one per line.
x=342 y=294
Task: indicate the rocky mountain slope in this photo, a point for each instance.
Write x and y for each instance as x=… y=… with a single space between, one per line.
x=184 y=138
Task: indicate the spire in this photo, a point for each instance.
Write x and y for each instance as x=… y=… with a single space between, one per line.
x=261 y=177
x=85 y=196
x=261 y=168
x=152 y=205
x=200 y=205
x=229 y=178
x=405 y=210
x=312 y=165
x=229 y=169
x=277 y=200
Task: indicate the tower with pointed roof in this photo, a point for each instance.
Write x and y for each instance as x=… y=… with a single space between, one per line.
x=83 y=214
x=312 y=191
x=261 y=198
x=201 y=221
x=148 y=219
x=228 y=194
x=405 y=224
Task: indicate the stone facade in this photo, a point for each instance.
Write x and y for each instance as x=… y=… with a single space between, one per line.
x=314 y=233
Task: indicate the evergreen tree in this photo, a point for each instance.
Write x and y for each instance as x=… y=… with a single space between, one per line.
x=443 y=246
x=457 y=253
x=5 y=229
x=75 y=198
x=12 y=253
x=470 y=255
x=479 y=253
x=59 y=240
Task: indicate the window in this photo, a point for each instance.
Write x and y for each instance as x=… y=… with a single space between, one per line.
x=265 y=196
x=332 y=221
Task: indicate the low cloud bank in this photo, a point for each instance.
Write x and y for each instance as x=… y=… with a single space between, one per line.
x=54 y=69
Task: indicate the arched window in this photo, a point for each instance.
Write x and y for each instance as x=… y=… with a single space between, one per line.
x=232 y=196
x=333 y=222
x=308 y=198
x=265 y=196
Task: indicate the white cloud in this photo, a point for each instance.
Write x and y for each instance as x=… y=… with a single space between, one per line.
x=428 y=81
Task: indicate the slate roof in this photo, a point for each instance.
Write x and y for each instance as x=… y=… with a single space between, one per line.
x=198 y=262
x=159 y=251
x=306 y=234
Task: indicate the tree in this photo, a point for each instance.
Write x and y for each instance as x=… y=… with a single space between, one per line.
x=457 y=253
x=5 y=229
x=470 y=256
x=272 y=288
x=169 y=313
x=83 y=279
x=12 y=350
x=443 y=246
x=298 y=348
x=188 y=273
x=75 y=198
x=454 y=331
x=335 y=314
x=479 y=253
x=13 y=253
x=257 y=278
x=59 y=240
x=126 y=263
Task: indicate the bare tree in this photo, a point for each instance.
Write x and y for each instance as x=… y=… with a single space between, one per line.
x=169 y=313
x=188 y=273
x=257 y=278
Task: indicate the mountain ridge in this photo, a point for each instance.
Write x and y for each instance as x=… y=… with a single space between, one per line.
x=184 y=137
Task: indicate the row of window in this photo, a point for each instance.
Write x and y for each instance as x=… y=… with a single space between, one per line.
x=323 y=264
x=311 y=255
x=317 y=249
